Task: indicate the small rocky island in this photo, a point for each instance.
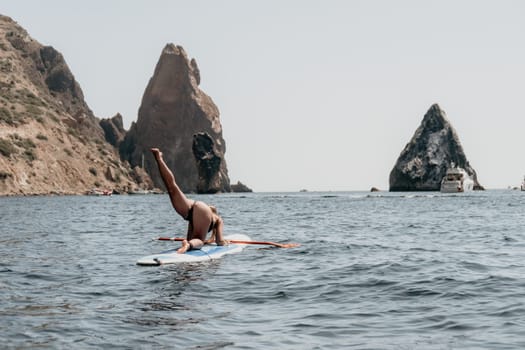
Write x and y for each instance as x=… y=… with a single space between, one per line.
x=424 y=161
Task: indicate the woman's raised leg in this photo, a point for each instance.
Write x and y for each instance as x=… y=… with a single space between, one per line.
x=179 y=201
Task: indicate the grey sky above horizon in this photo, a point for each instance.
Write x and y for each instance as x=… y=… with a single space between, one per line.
x=320 y=95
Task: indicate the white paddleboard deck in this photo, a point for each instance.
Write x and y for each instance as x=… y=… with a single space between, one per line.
x=206 y=253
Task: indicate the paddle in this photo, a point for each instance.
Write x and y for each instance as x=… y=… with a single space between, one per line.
x=278 y=245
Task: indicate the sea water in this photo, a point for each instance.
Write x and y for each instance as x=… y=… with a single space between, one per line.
x=374 y=271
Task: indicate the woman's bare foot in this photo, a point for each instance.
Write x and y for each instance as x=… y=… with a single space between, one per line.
x=156 y=153
x=185 y=247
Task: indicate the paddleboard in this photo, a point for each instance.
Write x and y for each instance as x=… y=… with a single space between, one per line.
x=206 y=253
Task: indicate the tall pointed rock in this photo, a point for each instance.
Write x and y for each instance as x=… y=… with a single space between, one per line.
x=425 y=159
x=173 y=110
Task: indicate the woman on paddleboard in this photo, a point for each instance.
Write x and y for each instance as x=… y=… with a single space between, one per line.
x=202 y=218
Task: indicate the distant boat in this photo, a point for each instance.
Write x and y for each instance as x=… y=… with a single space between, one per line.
x=139 y=191
x=523 y=184
x=99 y=192
x=456 y=180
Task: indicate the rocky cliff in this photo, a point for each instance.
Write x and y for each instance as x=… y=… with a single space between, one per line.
x=50 y=141
x=172 y=115
x=425 y=159
x=114 y=131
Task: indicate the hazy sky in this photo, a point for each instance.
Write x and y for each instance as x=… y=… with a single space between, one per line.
x=321 y=95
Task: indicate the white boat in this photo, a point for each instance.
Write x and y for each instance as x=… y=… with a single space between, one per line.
x=139 y=191
x=523 y=184
x=456 y=180
x=99 y=192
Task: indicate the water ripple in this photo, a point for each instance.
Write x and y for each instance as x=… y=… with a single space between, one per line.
x=374 y=271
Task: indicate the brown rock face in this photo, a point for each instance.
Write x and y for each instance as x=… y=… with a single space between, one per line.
x=114 y=131
x=50 y=141
x=425 y=159
x=46 y=68
x=173 y=110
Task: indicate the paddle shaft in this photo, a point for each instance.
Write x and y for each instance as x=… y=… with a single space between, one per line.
x=280 y=245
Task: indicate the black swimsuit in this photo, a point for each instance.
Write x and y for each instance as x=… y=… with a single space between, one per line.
x=189 y=217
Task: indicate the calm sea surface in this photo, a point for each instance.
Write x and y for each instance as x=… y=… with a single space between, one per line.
x=374 y=271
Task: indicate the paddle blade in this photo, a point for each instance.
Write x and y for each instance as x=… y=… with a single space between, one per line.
x=290 y=245
x=278 y=245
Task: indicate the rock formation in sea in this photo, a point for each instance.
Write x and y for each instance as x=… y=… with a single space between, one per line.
x=423 y=162
x=50 y=141
x=175 y=111
x=240 y=187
